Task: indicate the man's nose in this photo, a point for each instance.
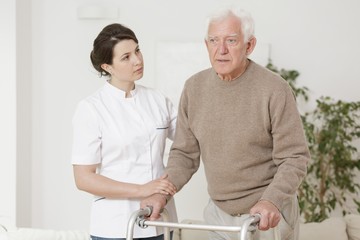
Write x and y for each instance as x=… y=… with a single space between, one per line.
x=223 y=47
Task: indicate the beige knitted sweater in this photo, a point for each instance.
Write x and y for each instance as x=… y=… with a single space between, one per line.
x=248 y=133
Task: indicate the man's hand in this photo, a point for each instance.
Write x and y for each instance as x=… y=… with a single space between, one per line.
x=157 y=201
x=270 y=215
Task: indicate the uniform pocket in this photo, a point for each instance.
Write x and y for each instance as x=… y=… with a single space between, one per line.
x=162 y=127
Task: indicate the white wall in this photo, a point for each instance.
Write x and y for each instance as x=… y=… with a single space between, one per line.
x=317 y=38
x=8 y=110
x=24 y=111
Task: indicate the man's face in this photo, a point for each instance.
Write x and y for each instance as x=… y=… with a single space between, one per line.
x=227 y=50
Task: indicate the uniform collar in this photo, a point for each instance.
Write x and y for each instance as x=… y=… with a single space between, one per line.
x=118 y=93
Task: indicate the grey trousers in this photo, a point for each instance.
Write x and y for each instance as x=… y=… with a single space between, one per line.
x=288 y=228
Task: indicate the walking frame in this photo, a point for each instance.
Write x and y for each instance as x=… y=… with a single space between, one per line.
x=139 y=218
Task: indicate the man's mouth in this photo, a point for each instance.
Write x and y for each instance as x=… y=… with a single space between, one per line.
x=222 y=60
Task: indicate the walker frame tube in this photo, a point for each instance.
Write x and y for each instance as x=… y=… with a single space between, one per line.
x=138 y=218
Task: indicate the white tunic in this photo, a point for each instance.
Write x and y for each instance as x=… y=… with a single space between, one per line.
x=127 y=136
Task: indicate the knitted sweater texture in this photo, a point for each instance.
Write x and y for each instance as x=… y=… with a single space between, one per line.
x=248 y=134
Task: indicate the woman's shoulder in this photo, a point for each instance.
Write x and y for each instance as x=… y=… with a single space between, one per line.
x=154 y=96
x=150 y=92
x=91 y=100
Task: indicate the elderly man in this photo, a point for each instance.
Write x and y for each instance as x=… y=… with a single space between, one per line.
x=242 y=120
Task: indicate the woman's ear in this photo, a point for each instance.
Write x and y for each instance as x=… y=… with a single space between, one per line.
x=106 y=67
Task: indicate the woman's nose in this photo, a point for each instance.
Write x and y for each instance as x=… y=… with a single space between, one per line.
x=137 y=60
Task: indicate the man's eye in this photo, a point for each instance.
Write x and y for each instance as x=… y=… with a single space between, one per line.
x=231 y=41
x=213 y=40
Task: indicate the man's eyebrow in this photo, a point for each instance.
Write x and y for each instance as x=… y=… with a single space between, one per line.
x=230 y=35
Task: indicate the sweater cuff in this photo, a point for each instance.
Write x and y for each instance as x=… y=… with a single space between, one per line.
x=276 y=200
x=166 y=197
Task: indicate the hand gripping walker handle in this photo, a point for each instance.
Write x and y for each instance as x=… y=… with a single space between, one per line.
x=138 y=218
x=141 y=213
x=253 y=220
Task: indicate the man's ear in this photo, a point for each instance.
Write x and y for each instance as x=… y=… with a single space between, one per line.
x=206 y=43
x=251 y=46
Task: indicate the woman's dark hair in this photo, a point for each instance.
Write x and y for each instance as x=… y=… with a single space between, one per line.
x=104 y=44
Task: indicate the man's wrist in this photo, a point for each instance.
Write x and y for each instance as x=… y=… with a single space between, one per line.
x=166 y=197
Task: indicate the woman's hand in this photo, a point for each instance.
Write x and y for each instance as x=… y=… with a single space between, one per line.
x=161 y=185
x=88 y=180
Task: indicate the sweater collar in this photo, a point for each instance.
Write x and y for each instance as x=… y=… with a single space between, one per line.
x=242 y=77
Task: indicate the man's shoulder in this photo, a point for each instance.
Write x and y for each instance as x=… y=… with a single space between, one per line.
x=265 y=76
x=200 y=77
x=261 y=70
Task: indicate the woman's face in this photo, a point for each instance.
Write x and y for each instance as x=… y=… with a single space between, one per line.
x=127 y=65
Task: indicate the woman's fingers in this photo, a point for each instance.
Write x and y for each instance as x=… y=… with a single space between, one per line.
x=165 y=186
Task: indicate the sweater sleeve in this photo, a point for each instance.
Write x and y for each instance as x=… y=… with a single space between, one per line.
x=184 y=158
x=290 y=150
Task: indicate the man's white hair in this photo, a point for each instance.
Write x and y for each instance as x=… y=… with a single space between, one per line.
x=245 y=18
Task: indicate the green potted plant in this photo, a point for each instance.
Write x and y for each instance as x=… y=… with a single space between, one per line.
x=331 y=130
